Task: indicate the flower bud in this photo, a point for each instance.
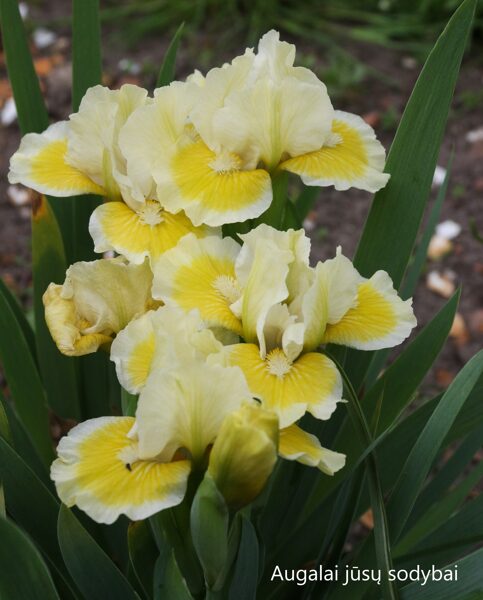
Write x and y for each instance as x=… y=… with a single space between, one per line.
x=244 y=454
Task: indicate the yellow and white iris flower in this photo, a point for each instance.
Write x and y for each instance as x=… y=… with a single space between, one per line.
x=190 y=416
x=284 y=311
x=152 y=341
x=241 y=124
x=82 y=156
x=138 y=466
x=97 y=300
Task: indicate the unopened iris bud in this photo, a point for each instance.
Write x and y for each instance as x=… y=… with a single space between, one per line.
x=244 y=454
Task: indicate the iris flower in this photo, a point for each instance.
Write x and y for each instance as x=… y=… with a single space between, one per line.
x=191 y=416
x=234 y=129
x=82 y=156
x=283 y=310
x=97 y=300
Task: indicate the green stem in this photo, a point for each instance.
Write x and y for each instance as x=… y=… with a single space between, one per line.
x=275 y=213
x=381 y=530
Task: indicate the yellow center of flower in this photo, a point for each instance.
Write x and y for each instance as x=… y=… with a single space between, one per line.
x=226 y=162
x=151 y=213
x=277 y=363
x=228 y=287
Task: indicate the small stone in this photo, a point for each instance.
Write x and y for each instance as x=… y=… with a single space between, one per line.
x=18 y=195
x=475 y=135
x=442 y=285
x=9 y=112
x=439 y=247
x=409 y=62
x=459 y=331
x=448 y=229
x=43 y=38
x=24 y=9
x=439 y=176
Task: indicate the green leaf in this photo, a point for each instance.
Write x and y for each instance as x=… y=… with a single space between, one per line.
x=245 y=577
x=172 y=584
x=4 y=424
x=49 y=265
x=24 y=573
x=143 y=554
x=209 y=529
x=306 y=200
x=86 y=72
x=86 y=48
x=420 y=256
x=166 y=74
x=21 y=442
x=411 y=279
x=463 y=529
x=440 y=511
x=395 y=216
x=403 y=377
x=31 y=111
x=451 y=469
x=3 y=507
x=20 y=318
x=171 y=529
x=92 y=570
x=21 y=485
x=24 y=381
x=32 y=115
x=399 y=383
x=398 y=208
x=422 y=454
x=469 y=584
x=381 y=531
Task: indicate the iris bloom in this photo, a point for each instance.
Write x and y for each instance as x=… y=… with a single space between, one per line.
x=96 y=301
x=145 y=343
x=82 y=156
x=189 y=415
x=239 y=125
x=284 y=310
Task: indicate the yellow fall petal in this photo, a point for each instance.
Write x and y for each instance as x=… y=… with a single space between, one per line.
x=98 y=470
x=214 y=189
x=297 y=444
x=200 y=274
x=379 y=320
x=311 y=383
x=138 y=234
x=40 y=163
x=352 y=157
